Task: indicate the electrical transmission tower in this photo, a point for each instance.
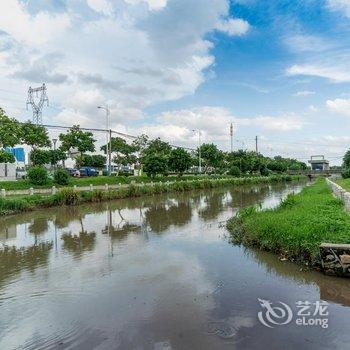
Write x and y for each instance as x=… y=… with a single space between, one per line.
x=37 y=107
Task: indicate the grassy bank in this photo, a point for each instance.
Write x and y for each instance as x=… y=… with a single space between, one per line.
x=99 y=181
x=67 y=196
x=345 y=183
x=297 y=227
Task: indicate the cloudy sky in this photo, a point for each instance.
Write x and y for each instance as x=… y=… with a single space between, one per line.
x=278 y=69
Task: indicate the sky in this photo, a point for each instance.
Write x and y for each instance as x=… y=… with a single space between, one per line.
x=277 y=69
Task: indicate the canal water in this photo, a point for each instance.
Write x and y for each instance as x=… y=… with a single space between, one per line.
x=159 y=273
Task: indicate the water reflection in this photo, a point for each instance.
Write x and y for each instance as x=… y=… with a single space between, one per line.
x=150 y=273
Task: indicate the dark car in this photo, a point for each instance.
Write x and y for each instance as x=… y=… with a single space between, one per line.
x=72 y=172
x=87 y=172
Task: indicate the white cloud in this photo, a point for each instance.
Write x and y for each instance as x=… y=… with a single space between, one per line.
x=102 y=6
x=339 y=5
x=304 y=93
x=23 y=27
x=152 y=4
x=233 y=26
x=339 y=105
x=313 y=109
x=307 y=43
x=283 y=123
x=336 y=73
x=130 y=57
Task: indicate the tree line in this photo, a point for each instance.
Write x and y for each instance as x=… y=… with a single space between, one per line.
x=154 y=156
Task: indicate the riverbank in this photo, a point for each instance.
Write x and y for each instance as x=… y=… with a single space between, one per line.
x=70 y=196
x=296 y=228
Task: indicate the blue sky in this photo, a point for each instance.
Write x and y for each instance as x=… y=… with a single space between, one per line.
x=276 y=69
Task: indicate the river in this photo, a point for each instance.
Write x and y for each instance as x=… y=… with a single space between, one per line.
x=157 y=273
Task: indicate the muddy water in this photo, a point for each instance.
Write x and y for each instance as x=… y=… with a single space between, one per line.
x=155 y=273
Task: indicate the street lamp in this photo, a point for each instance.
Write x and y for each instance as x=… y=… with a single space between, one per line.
x=199 y=149
x=108 y=142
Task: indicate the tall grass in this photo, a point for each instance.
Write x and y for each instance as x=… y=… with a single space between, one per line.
x=68 y=196
x=297 y=227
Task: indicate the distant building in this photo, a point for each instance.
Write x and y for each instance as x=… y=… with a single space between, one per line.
x=318 y=163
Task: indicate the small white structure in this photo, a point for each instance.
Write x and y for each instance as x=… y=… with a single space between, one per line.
x=318 y=163
x=7 y=172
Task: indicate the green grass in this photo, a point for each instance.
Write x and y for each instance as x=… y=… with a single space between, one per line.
x=297 y=227
x=98 y=181
x=67 y=195
x=345 y=183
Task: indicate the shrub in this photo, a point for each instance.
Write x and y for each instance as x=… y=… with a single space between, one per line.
x=67 y=196
x=38 y=176
x=234 y=171
x=61 y=177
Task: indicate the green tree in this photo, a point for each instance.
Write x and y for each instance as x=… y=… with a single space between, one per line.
x=211 y=155
x=125 y=153
x=6 y=157
x=40 y=157
x=156 y=146
x=95 y=161
x=179 y=160
x=56 y=156
x=78 y=139
x=10 y=131
x=346 y=160
x=155 y=164
x=34 y=135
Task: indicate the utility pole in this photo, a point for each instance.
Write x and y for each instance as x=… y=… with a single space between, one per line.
x=256 y=144
x=231 y=135
x=108 y=139
x=199 y=150
x=37 y=107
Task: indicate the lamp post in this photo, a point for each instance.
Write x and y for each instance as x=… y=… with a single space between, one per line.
x=199 y=149
x=108 y=139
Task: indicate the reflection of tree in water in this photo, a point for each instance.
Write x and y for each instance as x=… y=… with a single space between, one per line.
x=78 y=244
x=160 y=215
x=13 y=260
x=38 y=225
x=214 y=205
x=122 y=229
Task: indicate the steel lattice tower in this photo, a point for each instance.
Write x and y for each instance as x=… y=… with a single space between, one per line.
x=37 y=107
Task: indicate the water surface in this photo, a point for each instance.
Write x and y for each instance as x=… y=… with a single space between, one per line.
x=154 y=273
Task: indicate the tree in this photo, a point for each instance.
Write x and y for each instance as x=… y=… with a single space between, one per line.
x=179 y=160
x=6 y=157
x=155 y=164
x=211 y=155
x=346 y=160
x=10 y=131
x=75 y=138
x=156 y=146
x=40 y=157
x=34 y=135
x=124 y=152
x=56 y=156
x=95 y=161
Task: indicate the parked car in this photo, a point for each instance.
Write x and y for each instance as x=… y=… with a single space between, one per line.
x=72 y=172
x=87 y=172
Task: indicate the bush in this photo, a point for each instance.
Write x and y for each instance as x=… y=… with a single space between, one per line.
x=38 y=176
x=346 y=173
x=61 y=177
x=67 y=196
x=234 y=171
